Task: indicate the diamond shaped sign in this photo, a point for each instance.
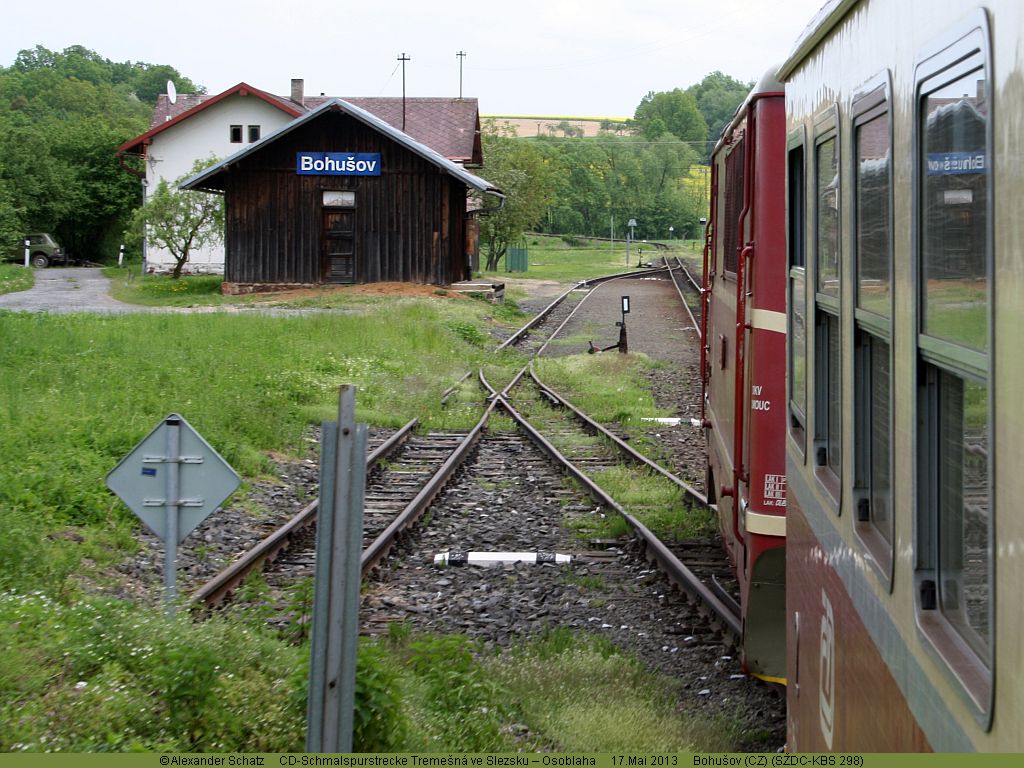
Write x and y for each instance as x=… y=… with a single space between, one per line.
x=147 y=482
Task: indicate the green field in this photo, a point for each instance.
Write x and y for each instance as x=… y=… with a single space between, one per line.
x=570 y=259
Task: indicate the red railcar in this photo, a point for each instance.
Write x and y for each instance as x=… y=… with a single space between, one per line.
x=743 y=365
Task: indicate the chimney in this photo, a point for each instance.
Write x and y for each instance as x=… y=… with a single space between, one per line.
x=297 y=88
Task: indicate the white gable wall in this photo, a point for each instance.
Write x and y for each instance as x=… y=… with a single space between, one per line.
x=205 y=134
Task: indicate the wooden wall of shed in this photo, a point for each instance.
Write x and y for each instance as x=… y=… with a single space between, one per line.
x=410 y=221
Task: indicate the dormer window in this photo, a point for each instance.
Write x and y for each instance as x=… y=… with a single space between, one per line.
x=236 y=134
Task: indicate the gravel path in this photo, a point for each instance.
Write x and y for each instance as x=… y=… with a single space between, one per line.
x=70 y=289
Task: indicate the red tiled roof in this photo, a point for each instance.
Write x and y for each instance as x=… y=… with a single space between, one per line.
x=187 y=105
x=451 y=127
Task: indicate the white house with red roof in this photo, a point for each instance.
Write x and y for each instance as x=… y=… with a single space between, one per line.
x=190 y=127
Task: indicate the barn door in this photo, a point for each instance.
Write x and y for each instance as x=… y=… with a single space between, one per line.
x=339 y=246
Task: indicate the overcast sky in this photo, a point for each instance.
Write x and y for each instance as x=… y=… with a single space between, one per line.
x=523 y=57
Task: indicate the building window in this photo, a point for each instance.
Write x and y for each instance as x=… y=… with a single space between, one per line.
x=797 y=289
x=254 y=134
x=827 y=337
x=235 y=134
x=872 y=390
x=954 y=393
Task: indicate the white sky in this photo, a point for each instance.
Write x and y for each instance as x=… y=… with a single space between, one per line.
x=523 y=57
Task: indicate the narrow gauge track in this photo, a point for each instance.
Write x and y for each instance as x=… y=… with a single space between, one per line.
x=533 y=337
x=418 y=467
x=404 y=474
x=689 y=290
x=585 y=448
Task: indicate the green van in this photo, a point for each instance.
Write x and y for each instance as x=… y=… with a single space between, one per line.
x=43 y=250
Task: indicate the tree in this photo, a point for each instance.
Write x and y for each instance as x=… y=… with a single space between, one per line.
x=179 y=220
x=62 y=117
x=517 y=168
x=678 y=113
x=717 y=98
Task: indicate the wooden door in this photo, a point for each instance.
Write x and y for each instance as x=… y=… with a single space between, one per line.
x=339 y=246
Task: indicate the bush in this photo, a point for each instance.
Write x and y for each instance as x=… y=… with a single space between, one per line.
x=379 y=724
x=465 y=706
x=106 y=675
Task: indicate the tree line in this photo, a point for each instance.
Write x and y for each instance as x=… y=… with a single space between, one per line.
x=62 y=117
x=651 y=169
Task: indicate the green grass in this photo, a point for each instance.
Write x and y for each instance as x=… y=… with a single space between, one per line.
x=14 y=277
x=86 y=673
x=77 y=392
x=579 y=694
x=160 y=290
x=552 y=258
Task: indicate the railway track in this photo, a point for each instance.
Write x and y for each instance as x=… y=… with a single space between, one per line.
x=417 y=468
x=688 y=288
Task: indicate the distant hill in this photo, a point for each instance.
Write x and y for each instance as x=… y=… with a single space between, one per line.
x=548 y=125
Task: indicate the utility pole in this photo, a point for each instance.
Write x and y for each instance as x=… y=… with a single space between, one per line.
x=403 y=58
x=460 y=56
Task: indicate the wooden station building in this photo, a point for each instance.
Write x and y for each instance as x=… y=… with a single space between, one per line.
x=340 y=196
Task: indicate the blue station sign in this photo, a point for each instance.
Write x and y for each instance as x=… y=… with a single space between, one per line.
x=947 y=163
x=337 y=163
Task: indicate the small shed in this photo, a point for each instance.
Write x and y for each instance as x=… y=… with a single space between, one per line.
x=340 y=196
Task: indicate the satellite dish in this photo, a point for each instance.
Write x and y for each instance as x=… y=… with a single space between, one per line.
x=172 y=92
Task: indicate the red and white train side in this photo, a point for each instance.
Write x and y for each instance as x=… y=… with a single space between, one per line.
x=743 y=366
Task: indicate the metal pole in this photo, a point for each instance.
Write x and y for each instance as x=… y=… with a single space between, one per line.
x=171 y=502
x=336 y=591
x=403 y=58
x=461 y=55
x=28 y=243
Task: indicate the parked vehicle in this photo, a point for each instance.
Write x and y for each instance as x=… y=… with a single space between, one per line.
x=44 y=250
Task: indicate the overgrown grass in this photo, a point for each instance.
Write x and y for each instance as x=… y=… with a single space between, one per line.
x=160 y=290
x=91 y=674
x=609 y=388
x=110 y=676
x=77 y=392
x=14 y=277
x=580 y=694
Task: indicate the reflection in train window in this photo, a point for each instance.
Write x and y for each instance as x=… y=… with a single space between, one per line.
x=954 y=282
x=797 y=289
x=955 y=516
x=872 y=423
x=827 y=226
x=873 y=194
x=827 y=373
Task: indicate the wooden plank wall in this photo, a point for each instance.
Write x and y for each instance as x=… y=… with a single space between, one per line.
x=410 y=221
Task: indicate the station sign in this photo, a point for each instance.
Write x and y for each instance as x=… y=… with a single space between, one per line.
x=337 y=163
x=948 y=163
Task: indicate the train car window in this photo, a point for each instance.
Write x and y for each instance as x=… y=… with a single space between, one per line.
x=953 y=243
x=797 y=289
x=872 y=364
x=732 y=236
x=827 y=223
x=827 y=334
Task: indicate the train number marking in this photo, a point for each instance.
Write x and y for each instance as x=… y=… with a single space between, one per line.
x=827 y=671
x=775 y=490
x=756 y=403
